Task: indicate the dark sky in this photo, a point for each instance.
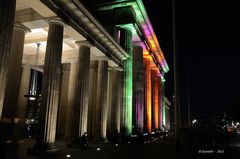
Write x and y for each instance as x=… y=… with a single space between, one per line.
x=208 y=48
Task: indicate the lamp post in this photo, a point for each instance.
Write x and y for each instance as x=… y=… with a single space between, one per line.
x=33 y=97
x=188 y=100
x=175 y=74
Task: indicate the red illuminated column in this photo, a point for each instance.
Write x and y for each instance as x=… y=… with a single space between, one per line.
x=155 y=99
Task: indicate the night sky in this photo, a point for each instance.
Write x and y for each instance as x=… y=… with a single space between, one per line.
x=208 y=45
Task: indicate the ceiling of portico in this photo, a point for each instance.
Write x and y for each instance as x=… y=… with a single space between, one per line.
x=38 y=24
x=22 y=4
x=70 y=48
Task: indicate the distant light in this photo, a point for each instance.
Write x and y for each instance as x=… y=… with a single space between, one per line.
x=128 y=142
x=68 y=156
x=237 y=123
x=98 y=149
x=194 y=121
x=116 y=145
x=145 y=134
x=32 y=98
x=153 y=132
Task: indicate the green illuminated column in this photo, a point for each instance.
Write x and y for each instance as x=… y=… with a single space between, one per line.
x=126 y=43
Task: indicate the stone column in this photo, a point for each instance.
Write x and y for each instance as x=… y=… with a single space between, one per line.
x=155 y=98
x=80 y=112
x=126 y=43
x=167 y=111
x=148 y=95
x=92 y=99
x=14 y=75
x=101 y=104
x=23 y=90
x=114 y=102
x=122 y=129
x=161 y=103
x=70 y=104
x=63 y=102
x=7 y=13
x=138 y=89
x=50 y=90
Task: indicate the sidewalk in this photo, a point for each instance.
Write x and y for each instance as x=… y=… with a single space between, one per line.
x=163 y=148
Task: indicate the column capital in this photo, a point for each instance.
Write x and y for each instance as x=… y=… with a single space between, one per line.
x=19 y=26
x=83 y=43
x=57 y=21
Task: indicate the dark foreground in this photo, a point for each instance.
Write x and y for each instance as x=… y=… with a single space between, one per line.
x=196 y=147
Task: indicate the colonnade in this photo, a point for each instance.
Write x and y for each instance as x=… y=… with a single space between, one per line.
x=87 y=95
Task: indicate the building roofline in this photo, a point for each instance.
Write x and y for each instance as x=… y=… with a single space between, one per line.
x=145 y=24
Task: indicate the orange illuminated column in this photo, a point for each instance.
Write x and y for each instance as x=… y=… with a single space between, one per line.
x=155 y=98
x=148 y=97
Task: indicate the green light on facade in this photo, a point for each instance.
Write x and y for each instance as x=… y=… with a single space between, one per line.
x=128 y=95
x=164 y=114
x=126 y=41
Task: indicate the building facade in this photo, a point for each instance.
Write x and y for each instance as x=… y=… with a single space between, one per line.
x=72 y=66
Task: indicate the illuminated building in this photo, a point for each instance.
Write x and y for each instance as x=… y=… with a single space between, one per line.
x=99 y=77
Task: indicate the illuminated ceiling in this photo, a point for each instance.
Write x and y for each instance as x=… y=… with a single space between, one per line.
x=35 y=15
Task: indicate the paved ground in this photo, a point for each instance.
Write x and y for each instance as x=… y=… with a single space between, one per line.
x=163 y=149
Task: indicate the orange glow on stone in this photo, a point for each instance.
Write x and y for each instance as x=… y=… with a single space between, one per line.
x=155 y=98
x=148 y=94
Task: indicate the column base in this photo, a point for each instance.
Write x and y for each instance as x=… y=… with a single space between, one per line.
x=44 y=149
